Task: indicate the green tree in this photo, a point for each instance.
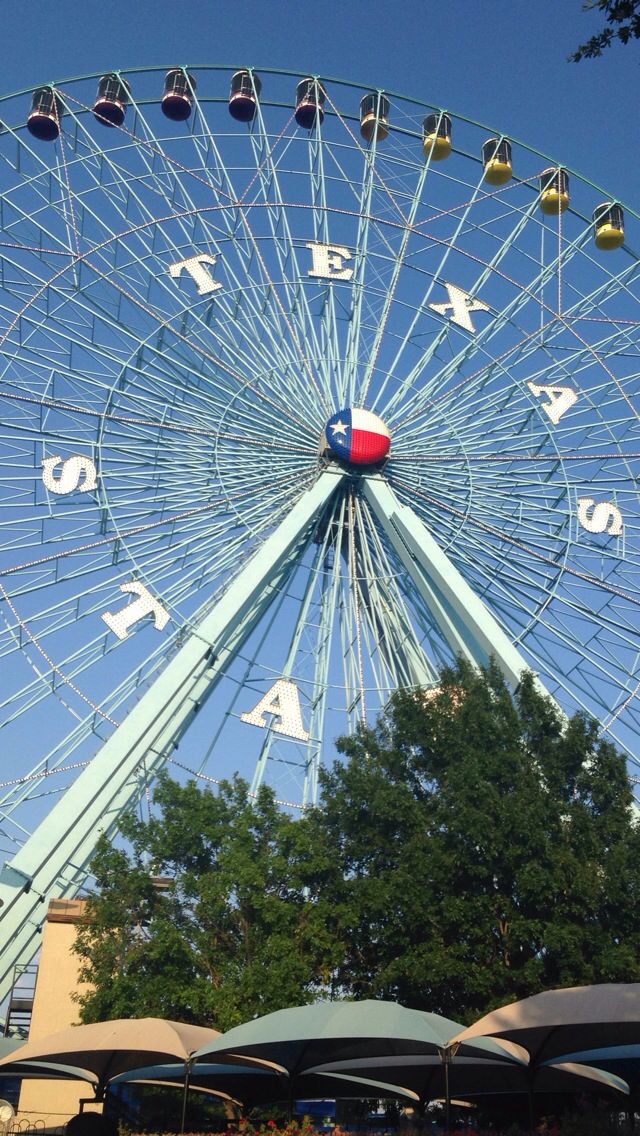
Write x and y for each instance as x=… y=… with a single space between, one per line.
x=482 y=850
x=622 y=22
x=204 y=917
x=471 y=848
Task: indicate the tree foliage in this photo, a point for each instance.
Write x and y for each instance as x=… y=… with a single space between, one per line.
x=484 y=849
x=622 y=22
x=204 y=918
x=471 y=848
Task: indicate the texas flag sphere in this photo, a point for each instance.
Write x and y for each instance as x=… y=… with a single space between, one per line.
x=358 y=436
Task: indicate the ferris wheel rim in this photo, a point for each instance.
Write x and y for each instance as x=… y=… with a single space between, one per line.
x=384 y=223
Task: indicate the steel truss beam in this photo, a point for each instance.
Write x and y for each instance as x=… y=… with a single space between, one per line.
x=54 y=859
x=466 y=623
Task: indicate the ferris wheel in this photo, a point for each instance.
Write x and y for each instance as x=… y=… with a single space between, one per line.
x=306 y=388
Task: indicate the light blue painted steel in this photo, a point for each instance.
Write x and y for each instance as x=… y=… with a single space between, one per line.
x=467 y=624
x=402 y=661
x=151 y=730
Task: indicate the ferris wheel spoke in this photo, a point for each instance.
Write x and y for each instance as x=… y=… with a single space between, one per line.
x=405 y=664
x=393 y=284
x=142 y=672
x=614 y=287
x=171 y=573
x=529 y=294
x=35 y=183
x=593 y=654
x=165 y=522
x=217 y=177
x=158 y=281
x=532 y=551
x=284 y=245
x=353 y=344
x=479 y=385
x=438 y=276
x=21 y=790
x=307 y=653
x=185 y=218
x=329 y=343
x=266 y=176
x=588 y=689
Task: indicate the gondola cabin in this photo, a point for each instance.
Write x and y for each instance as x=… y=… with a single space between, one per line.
x=177 y=97
x=244 y=95
x=112 y=97
x=45 y=114
x=608 y=225
x=554 y=191
x=436 y=137
x=310 y=97
x=374 y=117
x=496 y=161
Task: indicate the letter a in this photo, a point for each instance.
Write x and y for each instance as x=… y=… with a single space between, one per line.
x=561 y=399
x=283 y=701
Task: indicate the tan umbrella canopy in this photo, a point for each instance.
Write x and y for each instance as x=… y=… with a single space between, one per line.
x=105 y=1049
x=557 y=1022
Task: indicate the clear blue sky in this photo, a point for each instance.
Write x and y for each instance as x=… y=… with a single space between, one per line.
x=502 y=62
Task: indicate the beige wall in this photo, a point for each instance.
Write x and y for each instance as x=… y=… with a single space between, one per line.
x=53 y=1102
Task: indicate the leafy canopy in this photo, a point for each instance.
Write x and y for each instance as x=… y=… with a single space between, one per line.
x=204 y=918
x=482 y=850
x=622 y=22
x=471 y=848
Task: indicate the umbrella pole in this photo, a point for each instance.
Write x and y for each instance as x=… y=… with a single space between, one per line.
x=530 y=1095
x=447 y=1055
x=185 y=1094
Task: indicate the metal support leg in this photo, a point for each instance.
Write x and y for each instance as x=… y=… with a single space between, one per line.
x=466 y=623
x=52 y=861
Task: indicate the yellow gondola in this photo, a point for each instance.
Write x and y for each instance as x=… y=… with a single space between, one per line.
x=496 y=160
x=608 y=225
x=554 y=191
x=436 y=137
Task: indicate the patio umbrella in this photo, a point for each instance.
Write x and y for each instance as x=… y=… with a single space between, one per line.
x=469 y=1076
x=105 y=1049
x=557 y=1022
x=9 y=1045
x=263 y=1085
x=47 y=1071
x=306 y=1036
x=623 y=1060
x=301 y=1038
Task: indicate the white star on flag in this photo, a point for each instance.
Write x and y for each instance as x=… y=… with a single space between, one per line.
x=340 y=428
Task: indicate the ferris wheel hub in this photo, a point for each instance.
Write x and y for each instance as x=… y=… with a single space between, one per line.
x=357 y=436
